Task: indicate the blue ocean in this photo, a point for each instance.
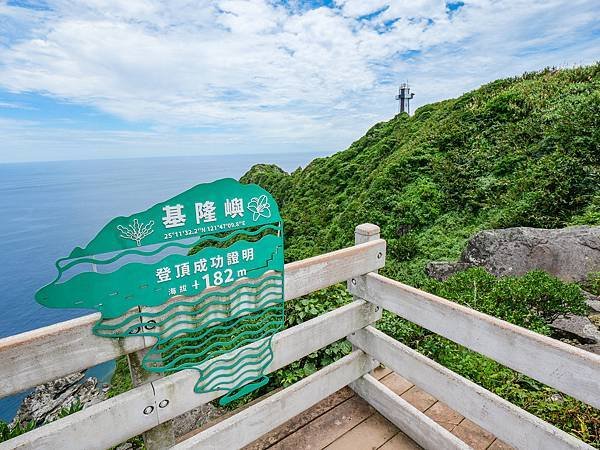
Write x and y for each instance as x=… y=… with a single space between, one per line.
x=49 y=208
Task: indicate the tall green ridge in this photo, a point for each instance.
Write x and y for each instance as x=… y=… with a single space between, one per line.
x=522 y=151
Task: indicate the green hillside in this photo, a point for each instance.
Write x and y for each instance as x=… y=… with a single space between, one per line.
x=523 y=151
x=517 y=152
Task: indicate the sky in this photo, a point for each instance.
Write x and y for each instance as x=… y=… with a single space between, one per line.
x=114 y=78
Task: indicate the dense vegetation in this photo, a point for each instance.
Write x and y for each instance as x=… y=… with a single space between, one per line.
x=517 y=152
x=523 y=151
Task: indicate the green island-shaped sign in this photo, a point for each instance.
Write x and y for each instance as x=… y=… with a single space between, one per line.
x=202 y=273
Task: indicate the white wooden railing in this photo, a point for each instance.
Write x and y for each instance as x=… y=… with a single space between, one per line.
x=35 y=357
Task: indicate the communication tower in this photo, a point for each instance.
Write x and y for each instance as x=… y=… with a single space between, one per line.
x=404 y=96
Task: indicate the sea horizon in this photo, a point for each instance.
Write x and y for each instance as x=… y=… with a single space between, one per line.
x=207 y=155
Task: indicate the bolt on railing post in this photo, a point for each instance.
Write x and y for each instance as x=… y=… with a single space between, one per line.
x=161 y=436
x=363 y=233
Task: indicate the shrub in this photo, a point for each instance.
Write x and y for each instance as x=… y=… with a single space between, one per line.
x=531 y=301
x=7 y=432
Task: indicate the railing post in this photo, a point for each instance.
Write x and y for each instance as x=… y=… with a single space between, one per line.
x=161 y=436
x=366 y=232
x=363 y=233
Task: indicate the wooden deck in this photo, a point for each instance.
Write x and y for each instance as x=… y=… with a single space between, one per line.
x=344 y=421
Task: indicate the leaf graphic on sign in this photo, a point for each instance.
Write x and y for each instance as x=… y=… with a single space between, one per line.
x=260 y=207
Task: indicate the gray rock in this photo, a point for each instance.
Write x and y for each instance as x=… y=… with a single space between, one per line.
x=567 y=253
x=124 y=446
x=195 y=418
x=579 y=327
x=47 y=400
x=592 y=301
x=557 y=398
x=440 y=270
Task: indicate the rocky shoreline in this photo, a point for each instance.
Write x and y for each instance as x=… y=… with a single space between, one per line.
x=74 y=392
x=48 y=400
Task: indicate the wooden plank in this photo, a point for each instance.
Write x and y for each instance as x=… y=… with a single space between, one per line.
x=326 y=429
x=400 y=442
x=98 y=427
x=314 y=417
x=444 y=415
x=226 y=415
x=419 y=398
x=366 y=232
x=253 y=422
x=372 y=433
x=508 y=422
x=381 y=372
x=474 y=435
x=499 y=445
x=288 y=346
x=301 y=420
x=35 y=357
x=396 y=383
x=410 y=420
x=569 y=369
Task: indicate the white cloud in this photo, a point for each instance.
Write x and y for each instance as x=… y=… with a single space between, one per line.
x=274 y=74
x=389 y=10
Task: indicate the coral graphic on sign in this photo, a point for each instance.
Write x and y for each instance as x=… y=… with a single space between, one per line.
x=136 y=231
x=197 y=273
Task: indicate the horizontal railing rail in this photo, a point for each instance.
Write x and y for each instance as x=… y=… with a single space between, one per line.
x=70 y=346
x=422 y=429
x=569 y=369
x=508 y=422
x=41 y=355
x=124 y=414
x=250 y=424
x=35 y=357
